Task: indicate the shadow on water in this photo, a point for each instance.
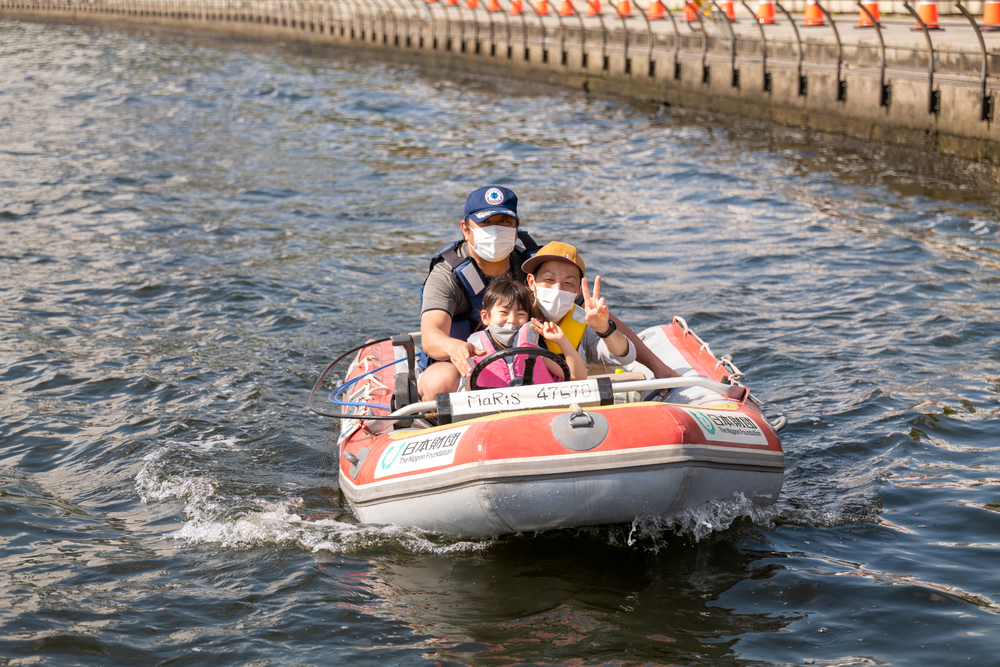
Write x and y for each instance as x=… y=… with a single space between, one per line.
x=552 y=598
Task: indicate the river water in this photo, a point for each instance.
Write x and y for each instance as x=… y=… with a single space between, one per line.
x=191 y=230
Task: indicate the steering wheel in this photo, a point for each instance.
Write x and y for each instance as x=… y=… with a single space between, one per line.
x=529 y=365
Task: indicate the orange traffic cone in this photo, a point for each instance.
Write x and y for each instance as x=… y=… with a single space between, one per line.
x=567 y=9
x=542 y=7
x=690 y=13
x=863 y=20
x=814 y=15
x=657 y=11
x=451 y=3
x=927 y=11
x=727 y=7
x=991 y=15
x=492 y=6
x=593 y=7
x=623 y=9
x=472 y=4
x=765 y=11
x=516 y=7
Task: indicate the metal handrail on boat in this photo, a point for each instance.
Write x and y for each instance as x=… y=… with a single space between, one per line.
x=735 y=392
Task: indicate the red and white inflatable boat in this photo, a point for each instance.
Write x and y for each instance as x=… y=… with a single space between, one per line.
x=529 y=458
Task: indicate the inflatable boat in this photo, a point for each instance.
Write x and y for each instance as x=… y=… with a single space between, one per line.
x=528 y=458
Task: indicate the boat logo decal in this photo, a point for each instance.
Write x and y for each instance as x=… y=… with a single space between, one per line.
x=420 y=452
x=703 y=421
x=494 y=197
x=723 y=426
x=391 y=453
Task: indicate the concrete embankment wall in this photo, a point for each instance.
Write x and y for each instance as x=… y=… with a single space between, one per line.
x=840 y=87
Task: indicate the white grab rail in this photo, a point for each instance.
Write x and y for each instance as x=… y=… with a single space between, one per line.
x=735 y=392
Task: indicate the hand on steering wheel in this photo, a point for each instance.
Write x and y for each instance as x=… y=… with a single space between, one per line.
x=529 y=365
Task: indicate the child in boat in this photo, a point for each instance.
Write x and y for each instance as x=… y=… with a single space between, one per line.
x=506 y=305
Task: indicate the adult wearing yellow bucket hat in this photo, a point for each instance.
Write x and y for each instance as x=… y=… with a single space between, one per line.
x=557 y=277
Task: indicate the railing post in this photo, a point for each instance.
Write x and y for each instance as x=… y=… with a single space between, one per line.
x=706 y=73
x=885 y=91
x=766 y=76
x=649 y=36
x=447 y=25
x=545 y=36
x=934 y=96
x=433 y=21
x=583 y=39
x=628 y=60
x=493 y=39
x=735 y=73
x=404 y=12
x=987 y=106
x=841 y=84
x=803 y=82
x=677 y=46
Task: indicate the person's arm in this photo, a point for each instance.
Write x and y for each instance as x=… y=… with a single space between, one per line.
x=577 y=369
x=644 y=355
x=598 y=318
x=595 y=351
x=436 y=341
x=553 y=332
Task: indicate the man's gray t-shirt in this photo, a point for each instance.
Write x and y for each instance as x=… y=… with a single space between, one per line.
x=444 y=291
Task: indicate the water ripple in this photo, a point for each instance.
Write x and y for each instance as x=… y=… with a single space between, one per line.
x=192 y=229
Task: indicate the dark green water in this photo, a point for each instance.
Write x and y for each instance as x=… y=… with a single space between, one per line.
x=190 y=231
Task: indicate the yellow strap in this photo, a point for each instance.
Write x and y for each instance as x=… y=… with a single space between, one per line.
x=573 y=325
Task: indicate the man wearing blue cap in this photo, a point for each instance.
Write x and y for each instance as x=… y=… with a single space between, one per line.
x=451 y=298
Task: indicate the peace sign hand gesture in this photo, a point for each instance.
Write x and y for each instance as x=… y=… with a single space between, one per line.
x=597 y=314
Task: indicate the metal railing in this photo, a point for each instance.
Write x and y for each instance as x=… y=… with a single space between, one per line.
x=704 y=34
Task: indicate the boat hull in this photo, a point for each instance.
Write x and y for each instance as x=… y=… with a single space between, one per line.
x=531 y=498
x=529 y=471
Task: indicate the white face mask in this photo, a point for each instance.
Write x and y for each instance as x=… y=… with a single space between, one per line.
x=504 y=334
x=493 y=243
x=553 y=302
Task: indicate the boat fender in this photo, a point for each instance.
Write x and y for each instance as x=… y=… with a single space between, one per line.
x=779 y=423
x=356 y=460
x=578 y=430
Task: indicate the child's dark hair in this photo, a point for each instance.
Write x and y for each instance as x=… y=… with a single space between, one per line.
x=506 y=291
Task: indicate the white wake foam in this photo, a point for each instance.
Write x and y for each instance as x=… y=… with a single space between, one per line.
x=152 y=485
x=277 y=524
x=700 y=522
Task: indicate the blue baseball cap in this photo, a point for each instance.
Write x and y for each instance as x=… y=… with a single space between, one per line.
x=489 y=201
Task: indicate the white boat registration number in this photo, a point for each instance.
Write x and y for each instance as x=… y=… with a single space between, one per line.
x=467 y=404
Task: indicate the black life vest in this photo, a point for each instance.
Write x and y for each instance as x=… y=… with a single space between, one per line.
x=473 y=280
